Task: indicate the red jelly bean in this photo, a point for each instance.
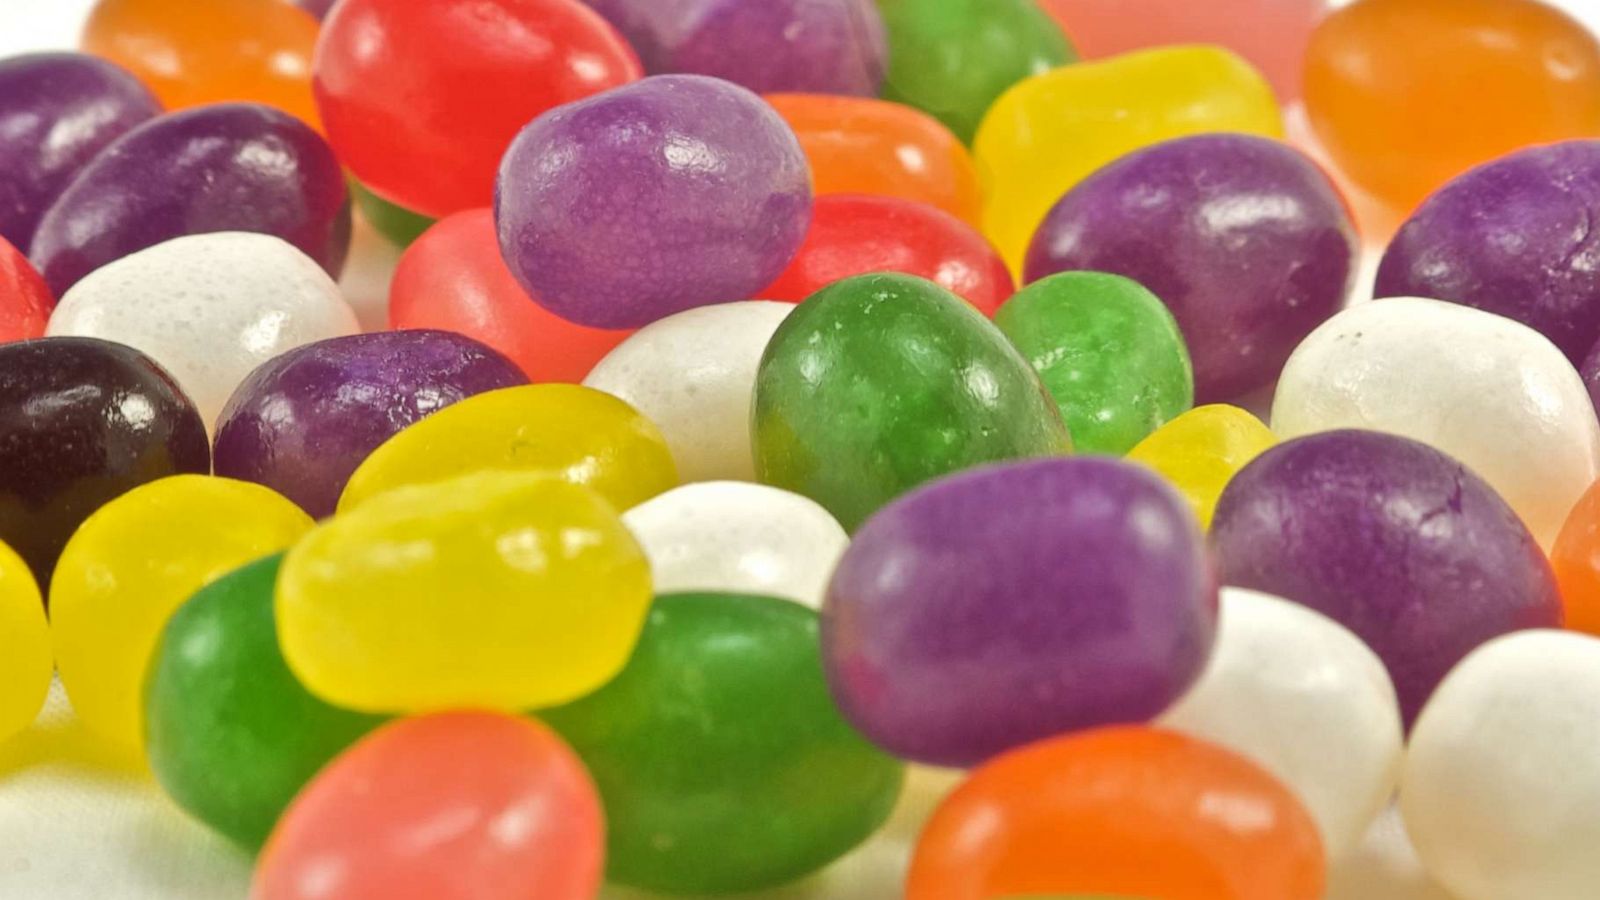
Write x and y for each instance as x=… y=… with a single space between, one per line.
x=25 y=300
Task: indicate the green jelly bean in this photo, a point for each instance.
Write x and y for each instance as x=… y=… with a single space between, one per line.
x=232 y=736
x=878 y=383
x=720 y=757
x=1108 y=351
x=952 y=58
x=400 y=225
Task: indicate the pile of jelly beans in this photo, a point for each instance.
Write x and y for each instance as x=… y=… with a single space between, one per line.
x=782 y=401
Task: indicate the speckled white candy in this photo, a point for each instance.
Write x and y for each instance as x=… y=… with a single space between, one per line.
x=1489 y=391
x=693 y=374
x=1501 y=788
x=209 y=308
x=1300 y=694
x=738 y=537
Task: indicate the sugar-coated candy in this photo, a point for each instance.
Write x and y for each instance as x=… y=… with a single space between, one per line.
x=83 y=421
x=1108 y=351
x=879 y=383
x=858 y=234
x=1576 y=561
x=232 y=167
x=1101 y=111
x=1298 y=694
x=576 y=433
x=859 y=145
x=827 y=46
x=25 y=300
x=1488 y=391
x=1015 y=602
x=209 y=308
x=1511 y=237
x=693 y=374
x=722 y=762
x=1406 y=94
x=1398 y=542
x=738 y=537
x=230 y=734
x=135 y=561
x=452 y=806
x=1136 y=811
x=400 y=225
x=1243 y=238
x=499 y=589
x=57 y=110
x=26 y=665
x=707 y=197
x=1199 y=451
x=422 y=99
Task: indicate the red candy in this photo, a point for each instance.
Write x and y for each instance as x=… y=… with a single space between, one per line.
x=25 y=300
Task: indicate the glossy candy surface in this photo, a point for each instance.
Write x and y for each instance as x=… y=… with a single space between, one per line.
x=1201 y=450
x=881 y=382
x=722 y=761
x=1243 y=238
x=25 y=300
x=1017 y=602
x=1576 y=560
x=26 y=665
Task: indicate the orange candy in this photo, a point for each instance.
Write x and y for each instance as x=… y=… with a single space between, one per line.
x=1129 y=811
x=1576 y=559
x=862 y=146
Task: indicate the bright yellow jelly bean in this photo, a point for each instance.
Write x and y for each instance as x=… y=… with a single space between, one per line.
x=1202 y=449
x=25 y=663
x=132 y=563
x=1047 y=132
x=579 y=434
x=500 y=589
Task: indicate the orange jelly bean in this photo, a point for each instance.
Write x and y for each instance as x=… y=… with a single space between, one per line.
x=857 y=145
x=1576 y=559
x=1407 y=94
x=1128 y=811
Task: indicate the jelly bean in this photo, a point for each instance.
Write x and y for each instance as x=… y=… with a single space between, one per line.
x=738 y=537
x=1108 y=351
x=231 y=735
x=454 y=278
x=422 y=99
x=135 y=561
x=499 y=589
x=827 y=46
x=684 y=155
x=1130 y=810
x=400 y=225
x=302 y=422
x=26 y=666
x=1256 y=247
x=317 y=8
x=1391 y=538
x=256 y=50
x=1104 y=110
x=57 y=110
x=1016 y=602
x=1576 y=560
x=1387 y=83
x=702 y=407
x=454 y=806
x=1201 y=450
x=25 y=300
x=1500 y=779
x=952 y=58
x=722 y=762
x=1454 y=247
x=856 y=145
x=1298 y=694
x=857 y=234
x=581 y=435
x=83 y=421
x=1488 y=391
x=208 y=307
x=235 y=167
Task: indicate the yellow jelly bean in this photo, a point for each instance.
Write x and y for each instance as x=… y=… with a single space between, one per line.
x=500 y=589
x=1202 y=449
x=1047 y=132
x=579 y=434
x=132 y=563
x=25 y=665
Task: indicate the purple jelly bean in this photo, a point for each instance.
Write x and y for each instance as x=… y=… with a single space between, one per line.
x=57 y=110
x=1519 y=237
x=1402 y=544
x=302 y=422
x=227 y=167
x=669 y=193
x=1244 y=238
x=318 y=8
x=1010 y=603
